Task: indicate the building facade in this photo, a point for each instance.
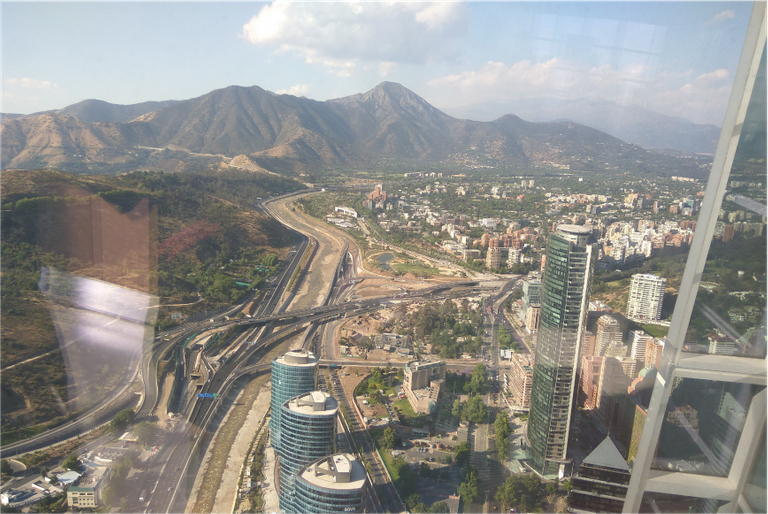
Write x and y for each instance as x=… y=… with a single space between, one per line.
x=602 y=481
x=308 y=432
x=332 y=484
x=292 y=374
x=562 y=328
x=607 y=331
x=520 y=379
x=422 y=383
x=646 y=297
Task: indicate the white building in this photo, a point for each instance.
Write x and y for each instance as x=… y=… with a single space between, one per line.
x=646 y=296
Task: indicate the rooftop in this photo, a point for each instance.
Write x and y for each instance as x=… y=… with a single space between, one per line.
x=297 y=358
x=607 y=455
x=340 y=471
x=314 y=403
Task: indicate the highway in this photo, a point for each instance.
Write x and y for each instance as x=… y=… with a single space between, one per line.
x=168 y=476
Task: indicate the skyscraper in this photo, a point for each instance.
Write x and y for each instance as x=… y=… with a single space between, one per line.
x=331 y=484
x=562 y=328
x=646 y=296
x=308 y=432
x=292 y=374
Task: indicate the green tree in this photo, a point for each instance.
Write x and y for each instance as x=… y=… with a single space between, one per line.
x=478 y=384
x=145 y=433
x=468 y=488
x=456 y=410
x=462 y=453
x=502 y=434
x=440 y=507
x=551 y=488
x=5 y=467
x=567 y=485
x=71 y=463
x=476 y=409
x=387 y=439
x=121 y=420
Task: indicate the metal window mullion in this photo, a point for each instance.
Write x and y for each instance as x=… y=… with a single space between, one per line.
x=749 y=441
x=741 y=93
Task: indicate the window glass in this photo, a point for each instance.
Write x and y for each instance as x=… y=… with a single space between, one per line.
x=754 y=490
x=702 y=426
x=655 y=502
x=729 y=315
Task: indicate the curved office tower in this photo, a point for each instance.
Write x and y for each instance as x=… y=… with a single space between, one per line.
x=332 y=484
x=308 y=432
x=292 y=374
x=564 y=302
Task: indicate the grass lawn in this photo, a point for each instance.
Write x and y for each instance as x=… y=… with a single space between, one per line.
x=404 y=407
x=408 y=416
x=416 y=268
x=656 y=330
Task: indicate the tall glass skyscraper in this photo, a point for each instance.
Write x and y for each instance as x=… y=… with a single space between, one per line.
x=332 y=484
x=308 y=432
x=292 y=374
x=562 y=325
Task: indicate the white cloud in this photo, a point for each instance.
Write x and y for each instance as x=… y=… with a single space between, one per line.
x=297 y=90
x=340 y=36
x=725 y=15
x=28 y=83
x=701 y=99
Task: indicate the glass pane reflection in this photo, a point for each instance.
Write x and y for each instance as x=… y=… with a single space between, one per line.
x=702 y=426
x=729 y=316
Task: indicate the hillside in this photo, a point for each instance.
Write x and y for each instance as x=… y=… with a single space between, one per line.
x=100 y=111
x=185 y=238
x=633 y=124
x=292 y=135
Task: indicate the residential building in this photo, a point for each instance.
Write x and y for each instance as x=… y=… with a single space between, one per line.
x=308 y=432
x=589 y=379
x=562 y=326
x=331 y=484
x=607 y=331
x=653 y=351
x=639 y=341
x=646 y=296
x=493 y=257
x=422 y=384
x=292 y=374
x=532 y=317
x=521 y=376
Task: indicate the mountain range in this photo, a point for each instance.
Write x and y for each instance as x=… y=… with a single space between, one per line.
x=251 y=128
x=630 y=123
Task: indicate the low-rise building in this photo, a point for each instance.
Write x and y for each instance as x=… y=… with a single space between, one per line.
x=87 y=493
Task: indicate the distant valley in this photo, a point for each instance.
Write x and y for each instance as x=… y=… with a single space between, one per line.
x=254 y=129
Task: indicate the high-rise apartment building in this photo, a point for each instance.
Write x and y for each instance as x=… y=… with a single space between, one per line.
x=607 y=331
x=332 y=484
x=646 y=296
x=292 y=374
x=307 y=432
x=562 y=327
x=493 y=258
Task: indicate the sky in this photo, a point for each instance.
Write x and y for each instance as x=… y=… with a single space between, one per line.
x=678 y=58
